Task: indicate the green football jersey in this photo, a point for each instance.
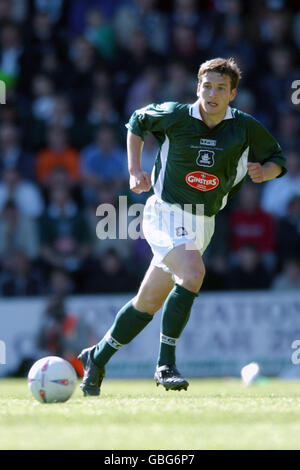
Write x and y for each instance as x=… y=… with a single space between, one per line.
x=199 y=165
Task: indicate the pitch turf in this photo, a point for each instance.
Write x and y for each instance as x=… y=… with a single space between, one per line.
x=134 y=414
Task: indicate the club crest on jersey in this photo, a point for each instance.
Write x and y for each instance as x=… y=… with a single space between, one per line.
x=205 y=158
x=202 y=181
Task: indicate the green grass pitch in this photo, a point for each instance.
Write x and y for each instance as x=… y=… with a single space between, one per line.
x=135 y=414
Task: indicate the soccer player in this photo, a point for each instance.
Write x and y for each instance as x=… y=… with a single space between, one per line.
x=205 y=152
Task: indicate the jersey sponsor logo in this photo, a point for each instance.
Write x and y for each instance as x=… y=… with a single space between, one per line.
x=202 y=181
x=205 y=158
x=209 y=142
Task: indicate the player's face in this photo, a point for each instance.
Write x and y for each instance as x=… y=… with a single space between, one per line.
x=214 y=93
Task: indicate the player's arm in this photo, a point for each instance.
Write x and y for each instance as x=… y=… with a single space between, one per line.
x=139 y=180
x=266 y=156
x=153 y=118
x=260 y=173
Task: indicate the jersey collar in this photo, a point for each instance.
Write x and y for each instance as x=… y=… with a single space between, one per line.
x=194 y=112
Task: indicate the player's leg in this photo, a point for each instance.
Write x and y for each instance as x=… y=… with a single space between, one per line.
x=129 y=322
x=186 y=263
x=154 y=290
x=136 y=314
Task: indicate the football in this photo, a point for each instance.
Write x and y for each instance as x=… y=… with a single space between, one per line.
x=52 y=380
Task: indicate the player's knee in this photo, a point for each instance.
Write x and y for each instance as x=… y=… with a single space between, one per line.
x=193 y=278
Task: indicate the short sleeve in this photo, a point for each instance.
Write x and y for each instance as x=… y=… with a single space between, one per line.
x=264 y=147
x=154 y=118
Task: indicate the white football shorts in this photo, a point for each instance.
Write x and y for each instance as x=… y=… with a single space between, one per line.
x=166 y=226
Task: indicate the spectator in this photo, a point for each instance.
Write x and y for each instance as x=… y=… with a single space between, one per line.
x=216 y=273
x=250 y=225
x=5 y=12
x=60 y=283
x=179 y=83
x=289 y=278
x=12 y=155
x=83 y=58
x=26 y=195
x=19 y=279
x=39 y=37
x=289 y=131
x=77 y=14
x=296 y=29
x=61 y=115
x=108 y=274
x=43 y=36
x=100 y=33
x=276 y=84
x=54 y=67
x=62 y=333
x=142 y=15
x=10 y=54
x=234 y=43
x=65 y=82
x=60 y=178
x=288 y=231
x=43 y=98
x=145 y=89
x=249 y=273
x=284 y=188
x=184 y=45
x=101 y=112
x=9 y=114
x=185 y=12
x=102 y=83
x=52 y=8
x=64 y=234
x=103 y=161
x=106 y=196
x=275 y=27
x=220 y=243
x=17 y=232
x=141 y=56
x=57 y=154
x=245 y=101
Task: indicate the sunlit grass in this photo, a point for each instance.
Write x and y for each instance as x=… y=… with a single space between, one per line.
x=134 y=414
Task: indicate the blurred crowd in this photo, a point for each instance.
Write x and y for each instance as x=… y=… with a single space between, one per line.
x=74 y=72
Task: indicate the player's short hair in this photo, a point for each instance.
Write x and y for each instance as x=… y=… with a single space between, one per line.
x=223 y=66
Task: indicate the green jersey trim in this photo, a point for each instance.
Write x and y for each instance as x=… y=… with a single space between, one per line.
x=241 y=172
x=163 y=155
x=242 y=168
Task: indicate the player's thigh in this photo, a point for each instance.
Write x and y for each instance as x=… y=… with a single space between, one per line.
x=186 y=263
x=154 y=290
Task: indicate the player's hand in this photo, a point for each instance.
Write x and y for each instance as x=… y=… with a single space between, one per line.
x=256 y=172
x=140 y=182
